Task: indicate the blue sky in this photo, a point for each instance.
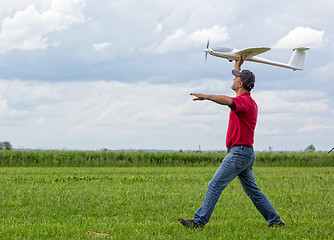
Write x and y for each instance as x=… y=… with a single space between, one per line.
x=84 y=74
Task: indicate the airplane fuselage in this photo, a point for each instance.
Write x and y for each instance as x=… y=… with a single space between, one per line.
x=296 y=61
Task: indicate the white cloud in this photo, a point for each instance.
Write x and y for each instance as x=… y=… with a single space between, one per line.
x=290 y=118
x=3 y=106
x=180 y=39
x=95 y=114
x=215 y=33
x=116 y=114
x=101 y=47
x=301 y=37
x=323 y=72
x=316 y=128
x=29 y=28
x=302 y=101
x=158 y=27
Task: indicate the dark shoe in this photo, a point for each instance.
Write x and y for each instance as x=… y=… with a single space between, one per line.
x=189 y=223
x=279 y=224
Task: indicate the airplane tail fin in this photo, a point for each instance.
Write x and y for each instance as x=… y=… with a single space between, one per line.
x=297 y=59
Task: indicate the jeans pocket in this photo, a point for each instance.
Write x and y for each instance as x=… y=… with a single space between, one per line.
x=241 y=161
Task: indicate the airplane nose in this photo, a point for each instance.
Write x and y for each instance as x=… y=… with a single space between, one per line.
x=206 y=54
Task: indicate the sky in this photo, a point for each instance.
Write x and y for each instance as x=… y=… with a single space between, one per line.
x=117 y=74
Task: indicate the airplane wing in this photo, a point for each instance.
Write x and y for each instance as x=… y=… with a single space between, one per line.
x=251 y=52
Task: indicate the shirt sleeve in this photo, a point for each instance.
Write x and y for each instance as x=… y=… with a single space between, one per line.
x=240 y=104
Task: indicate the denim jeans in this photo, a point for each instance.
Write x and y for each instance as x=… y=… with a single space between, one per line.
x=238 y=162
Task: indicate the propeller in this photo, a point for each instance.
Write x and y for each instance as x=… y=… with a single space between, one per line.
x=207 y=50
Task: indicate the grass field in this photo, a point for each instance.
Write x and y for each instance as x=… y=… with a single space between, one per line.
x=145 y=203
x=64 y=158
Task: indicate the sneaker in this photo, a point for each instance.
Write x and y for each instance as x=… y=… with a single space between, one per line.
x=189 y=223
x=279 y=224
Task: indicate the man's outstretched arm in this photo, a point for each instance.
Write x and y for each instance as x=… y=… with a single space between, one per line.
x=220 y=99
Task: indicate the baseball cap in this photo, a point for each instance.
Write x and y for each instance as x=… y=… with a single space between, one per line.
x=246 y=76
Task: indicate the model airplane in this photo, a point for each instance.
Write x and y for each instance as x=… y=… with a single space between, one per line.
x=296 y=62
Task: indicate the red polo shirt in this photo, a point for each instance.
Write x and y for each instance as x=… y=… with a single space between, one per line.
x=242 y=121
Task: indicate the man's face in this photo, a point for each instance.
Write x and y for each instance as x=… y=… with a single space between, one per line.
x=236 y=83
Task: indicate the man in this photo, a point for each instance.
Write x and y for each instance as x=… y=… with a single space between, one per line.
x=240 y=158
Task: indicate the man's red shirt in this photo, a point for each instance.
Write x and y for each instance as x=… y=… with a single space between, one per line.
x=242 y=121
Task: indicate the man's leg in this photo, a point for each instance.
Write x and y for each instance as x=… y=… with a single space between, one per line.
x=223 y=176
x=260 y=200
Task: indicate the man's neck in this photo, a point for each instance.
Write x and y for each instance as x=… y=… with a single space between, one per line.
x=240 y=91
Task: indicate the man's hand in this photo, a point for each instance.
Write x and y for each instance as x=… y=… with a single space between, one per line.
x=238 y=63
x=199 y=96
x=220 y=99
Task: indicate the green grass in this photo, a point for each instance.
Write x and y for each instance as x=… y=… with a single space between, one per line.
x=144 y=203
x=59 y=158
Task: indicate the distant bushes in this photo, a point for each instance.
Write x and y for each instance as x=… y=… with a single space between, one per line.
x=296 y=159
x=55 y=158
x=6 y=145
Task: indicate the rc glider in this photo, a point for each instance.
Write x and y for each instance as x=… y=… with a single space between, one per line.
x=296 y=62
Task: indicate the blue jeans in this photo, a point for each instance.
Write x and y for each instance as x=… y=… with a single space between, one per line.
x=238 y=162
